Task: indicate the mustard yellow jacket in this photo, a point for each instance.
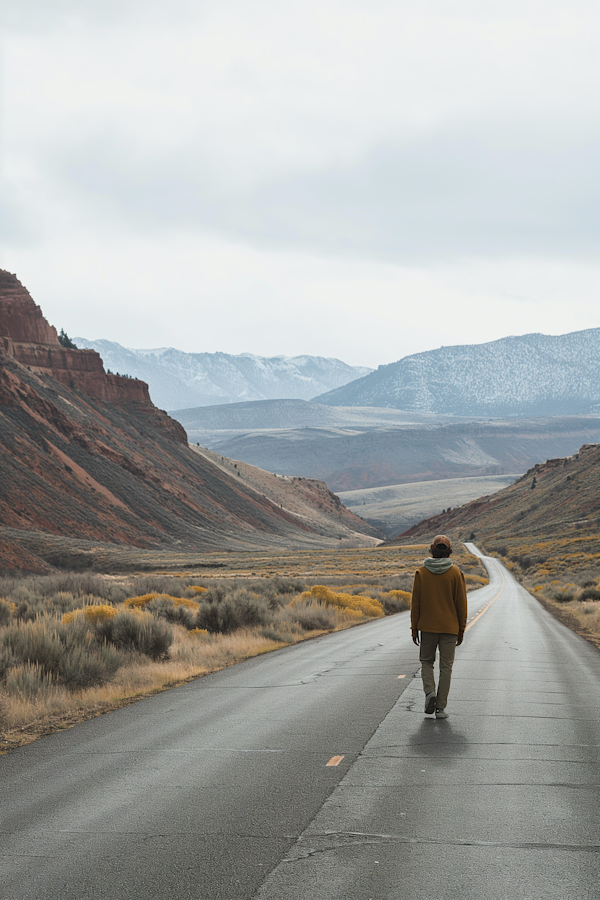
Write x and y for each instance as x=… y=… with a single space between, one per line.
x=439 y=601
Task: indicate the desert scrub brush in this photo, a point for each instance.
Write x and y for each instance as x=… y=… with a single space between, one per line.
x=95 y=613
x=366 y=605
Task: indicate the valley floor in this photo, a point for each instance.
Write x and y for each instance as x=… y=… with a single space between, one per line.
x=396 y=507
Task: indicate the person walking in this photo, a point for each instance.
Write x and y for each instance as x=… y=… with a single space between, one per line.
x=439 y=615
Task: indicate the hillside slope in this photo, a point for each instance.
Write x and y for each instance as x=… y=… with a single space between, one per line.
x=178 y=380
x=86 y=455
x=560 y=496
x=530 y=375
x=307 y=499
x=288 y=413
x=353 y=458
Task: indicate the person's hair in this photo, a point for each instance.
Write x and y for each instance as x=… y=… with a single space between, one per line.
x=441 y=546
x=440 y=551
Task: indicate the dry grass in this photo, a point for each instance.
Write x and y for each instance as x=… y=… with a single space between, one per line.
x=193 y=654
x=371 y=563
x=340 y=590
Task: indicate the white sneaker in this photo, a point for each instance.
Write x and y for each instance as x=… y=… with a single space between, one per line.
x=441 y=714
x=430 y=703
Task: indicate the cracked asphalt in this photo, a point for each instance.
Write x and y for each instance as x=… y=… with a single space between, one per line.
x=221 y=789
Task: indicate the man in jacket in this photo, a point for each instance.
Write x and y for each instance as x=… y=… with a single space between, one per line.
x=439 y=614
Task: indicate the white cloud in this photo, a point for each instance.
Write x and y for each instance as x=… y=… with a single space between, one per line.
x=290 y=160
x=204 y=293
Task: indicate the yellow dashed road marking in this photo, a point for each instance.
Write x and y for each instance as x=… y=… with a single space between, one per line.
x=401 y=676
x=335 y=760
x=487 y=605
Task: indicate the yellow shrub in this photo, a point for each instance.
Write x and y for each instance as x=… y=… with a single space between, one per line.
x=6 y=610
x=198 y=588
x=477 y=579
x=182 y=601
x=401 y=595
x=352 y=613
x=140 y=601
x=139 y=611
x=198 y=631
x=366 y=605
x=99 y=613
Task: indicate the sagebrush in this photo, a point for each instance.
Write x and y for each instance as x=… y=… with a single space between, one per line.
x=72 y=640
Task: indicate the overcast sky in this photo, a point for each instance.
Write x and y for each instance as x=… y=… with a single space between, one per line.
x=354 y=178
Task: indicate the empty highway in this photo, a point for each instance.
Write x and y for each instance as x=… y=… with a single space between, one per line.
x=221 y=789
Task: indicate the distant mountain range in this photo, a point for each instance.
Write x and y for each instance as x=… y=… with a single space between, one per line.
x=180 y=380
x=531 y=375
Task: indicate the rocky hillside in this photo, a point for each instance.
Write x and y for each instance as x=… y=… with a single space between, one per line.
x=86 y=455
x=180 y=380
x=308 y=499
x=560 y=497
x=27 y=338
x=531 y=375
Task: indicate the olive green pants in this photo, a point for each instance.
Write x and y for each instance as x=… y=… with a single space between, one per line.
x=430 y=641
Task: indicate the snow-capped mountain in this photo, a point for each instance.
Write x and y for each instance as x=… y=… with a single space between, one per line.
x=181 y=380
x=530 y=375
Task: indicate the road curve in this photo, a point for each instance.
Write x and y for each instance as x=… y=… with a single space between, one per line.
x=221 y=788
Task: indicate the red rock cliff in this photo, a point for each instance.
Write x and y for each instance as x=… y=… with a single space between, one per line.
x=20 y=318
x=31 y=340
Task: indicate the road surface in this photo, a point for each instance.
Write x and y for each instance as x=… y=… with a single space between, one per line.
x=221 y=788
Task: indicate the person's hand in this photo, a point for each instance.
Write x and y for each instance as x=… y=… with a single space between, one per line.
x=459 y=638
x=415 y=636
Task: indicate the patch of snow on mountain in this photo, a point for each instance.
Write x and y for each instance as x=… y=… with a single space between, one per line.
x=534 y=374
x=180 y=380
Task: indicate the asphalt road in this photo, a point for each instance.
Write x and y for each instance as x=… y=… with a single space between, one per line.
x=221 y=788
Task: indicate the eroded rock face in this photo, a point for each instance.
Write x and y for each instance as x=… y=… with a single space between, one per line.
x=21 y=319
x=87 y=458
x=28 y=337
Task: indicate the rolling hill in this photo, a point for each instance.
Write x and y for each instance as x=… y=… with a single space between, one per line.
x=288 y=413
x=354 y=458
x=396 y=507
